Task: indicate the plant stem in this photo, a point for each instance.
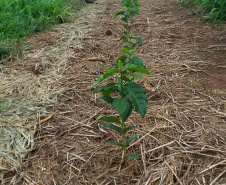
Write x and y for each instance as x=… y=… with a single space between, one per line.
x=124 y=147
x=121 y=83
x=122 y=123
x=123 y=140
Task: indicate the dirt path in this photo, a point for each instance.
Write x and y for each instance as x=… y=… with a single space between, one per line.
x=184 y=131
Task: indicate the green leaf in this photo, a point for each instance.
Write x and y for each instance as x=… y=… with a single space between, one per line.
x=110 y=119
x=120 y=105
x=118 y=80
x=136 y=61
x=136 y=8
x=127 y=112
x=114 y=143
x=139 y=40
x=125 y=18
x=126 y=79
x=136 y=75
x=137 y=69
x=132 y=51
x=127 y=3
x=119 y=13
x=125 y=130
x=138 y=96
x=126 y=26
x=133 y=156
x=124 y=38
x=107 y=99
x=120 y=65
x=134 y=12
x=107 y=89
x=3 y=104
x=125 y=50
x=104 y=76
x=131 y=139
x=113 y=127
x=122 y=58
x=136 y=3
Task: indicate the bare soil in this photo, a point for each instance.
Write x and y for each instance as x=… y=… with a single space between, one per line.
x=184 y=130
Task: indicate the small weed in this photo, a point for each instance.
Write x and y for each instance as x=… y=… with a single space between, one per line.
x=130 y=94
x=191 y=84
x=2 y=105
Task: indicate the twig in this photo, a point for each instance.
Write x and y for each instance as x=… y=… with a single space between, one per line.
x=44 y=120
x=108 y=170
x=212 y=166
x=88 y=59
x=174 y=173
x=144 y=160
x=160 y=147
x=97 y=38
x=149 y=179
x=128 y=167
x=217 y=177
x=188 y=170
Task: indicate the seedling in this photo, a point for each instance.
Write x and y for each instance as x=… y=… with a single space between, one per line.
x=1 y=105
x=131 y=96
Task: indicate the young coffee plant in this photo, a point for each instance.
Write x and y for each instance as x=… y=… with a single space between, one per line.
x=131 y=95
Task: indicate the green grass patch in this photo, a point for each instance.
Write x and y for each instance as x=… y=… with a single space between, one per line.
x=22 y=18
x=213 y=10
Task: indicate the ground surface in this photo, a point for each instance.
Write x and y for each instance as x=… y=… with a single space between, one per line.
x=184 y=130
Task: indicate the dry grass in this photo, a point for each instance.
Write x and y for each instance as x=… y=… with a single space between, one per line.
x=184 y=131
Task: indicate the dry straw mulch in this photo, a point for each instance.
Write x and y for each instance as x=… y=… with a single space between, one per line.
x=184 y=130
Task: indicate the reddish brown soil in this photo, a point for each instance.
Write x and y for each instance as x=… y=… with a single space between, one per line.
x=218 y=81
